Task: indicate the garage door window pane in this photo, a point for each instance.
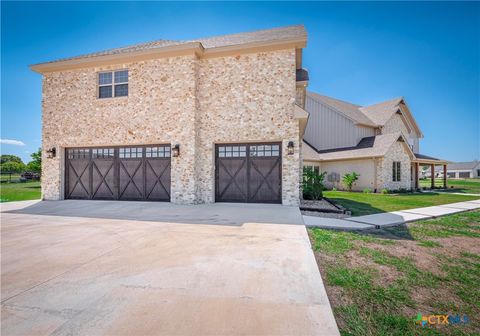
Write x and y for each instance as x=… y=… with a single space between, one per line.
x=157 y=152
x=78 y=153
x=232 y=151
x=130 y=153
x=102 y=153
x=265 y=150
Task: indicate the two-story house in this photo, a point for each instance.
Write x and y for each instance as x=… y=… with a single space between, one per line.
x=380 y=142
x=217 y=119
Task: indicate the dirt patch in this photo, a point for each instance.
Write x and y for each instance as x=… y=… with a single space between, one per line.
x=386 y=274
x=419 y=255
x=453 y=246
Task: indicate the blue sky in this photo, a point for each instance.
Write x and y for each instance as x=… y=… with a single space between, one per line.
x=360 y=52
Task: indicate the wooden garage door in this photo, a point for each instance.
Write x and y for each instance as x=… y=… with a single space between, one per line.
x=140 y=173
x=250 y=173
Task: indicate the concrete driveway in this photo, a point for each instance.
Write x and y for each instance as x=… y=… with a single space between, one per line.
x=133 y=268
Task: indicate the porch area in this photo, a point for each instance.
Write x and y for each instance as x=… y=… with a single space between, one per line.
x=424 y=167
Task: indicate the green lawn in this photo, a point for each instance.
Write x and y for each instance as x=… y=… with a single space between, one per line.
x=364 y=204
x=19 y=191
x=462 y=185
x=378 y=282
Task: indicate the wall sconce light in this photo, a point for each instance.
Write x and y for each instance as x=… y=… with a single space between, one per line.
x=290 y=148
x=51 y=153
x=176 y=150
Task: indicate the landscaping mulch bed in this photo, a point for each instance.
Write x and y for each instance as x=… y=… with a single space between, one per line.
x=323 y=208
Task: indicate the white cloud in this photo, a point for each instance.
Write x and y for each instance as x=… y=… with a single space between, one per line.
x=12 y=142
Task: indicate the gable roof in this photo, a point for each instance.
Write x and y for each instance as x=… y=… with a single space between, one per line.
x=463 y=165
x=375 y=115
x=258 y=38
x=368 y=147
x=351 y=111
x=380 y=113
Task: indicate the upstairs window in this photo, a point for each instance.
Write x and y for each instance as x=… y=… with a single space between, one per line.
x=396 y=171
x=113 y=84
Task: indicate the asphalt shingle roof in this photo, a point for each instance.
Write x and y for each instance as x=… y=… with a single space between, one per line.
x=373 y=115
x=380 y=113
x=275 y=34
x=463 y=165
x=374 y=146
x=350 y=110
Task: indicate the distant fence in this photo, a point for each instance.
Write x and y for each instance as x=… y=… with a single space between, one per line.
x=11 y=177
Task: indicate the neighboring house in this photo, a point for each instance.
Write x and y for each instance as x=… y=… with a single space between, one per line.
x=200 y=121
x=380 y=142
x=464 y=169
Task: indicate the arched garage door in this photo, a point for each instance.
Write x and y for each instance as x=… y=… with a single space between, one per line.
x=250 y=173
x=139 y=173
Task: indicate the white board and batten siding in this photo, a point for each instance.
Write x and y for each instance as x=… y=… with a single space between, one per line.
x=327 y=128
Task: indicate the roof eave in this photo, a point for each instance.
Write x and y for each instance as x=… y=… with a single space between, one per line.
x=351 y=158
x=181 y=49
x=245 y=48
x=168 y=51
x=412 y=119
x=427 y=161
x=367 y=125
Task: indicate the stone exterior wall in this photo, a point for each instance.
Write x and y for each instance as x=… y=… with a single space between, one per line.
x=301 y=92
x=384 y=169
x=395 y=124
x=241 y=101
x=179 y=100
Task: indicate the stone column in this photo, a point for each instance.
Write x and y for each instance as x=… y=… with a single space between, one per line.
x=183 y=171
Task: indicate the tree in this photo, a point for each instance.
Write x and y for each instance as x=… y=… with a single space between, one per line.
x=312 y=184
x=36 y=164
x=12 y=158
x=12 y=167
x=350 y=179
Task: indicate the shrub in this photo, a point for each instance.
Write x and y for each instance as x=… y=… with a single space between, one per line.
x=350 y=179
x=334 y=189
x=36 y=164
x=367 y=191
x=385 y=191
x=12 y=167
x=312 y=184
x=402 y=191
